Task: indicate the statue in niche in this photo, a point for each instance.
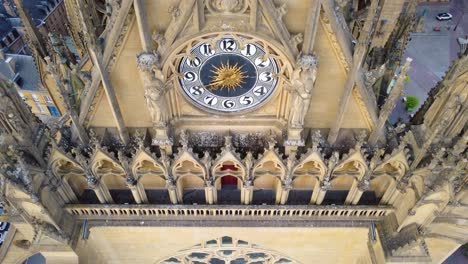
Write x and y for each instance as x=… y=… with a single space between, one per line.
x=303 y=79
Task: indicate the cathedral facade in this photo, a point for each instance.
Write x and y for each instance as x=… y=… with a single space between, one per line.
x=233 y=131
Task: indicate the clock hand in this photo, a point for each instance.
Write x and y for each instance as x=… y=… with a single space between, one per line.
x=215 y=83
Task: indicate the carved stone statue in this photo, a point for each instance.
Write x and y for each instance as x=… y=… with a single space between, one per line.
x=303 y=80
x=154 y=95
x=155 y=88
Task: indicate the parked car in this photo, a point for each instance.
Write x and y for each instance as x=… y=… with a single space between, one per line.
x=444 y=16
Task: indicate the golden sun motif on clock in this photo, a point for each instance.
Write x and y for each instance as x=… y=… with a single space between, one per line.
x=227 y=76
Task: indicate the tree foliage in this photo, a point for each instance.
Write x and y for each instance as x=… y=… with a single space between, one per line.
x=411 y=102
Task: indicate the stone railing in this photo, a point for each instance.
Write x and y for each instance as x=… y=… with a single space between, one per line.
x=234 y=212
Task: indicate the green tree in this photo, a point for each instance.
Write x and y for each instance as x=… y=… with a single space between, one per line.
x=411 y=103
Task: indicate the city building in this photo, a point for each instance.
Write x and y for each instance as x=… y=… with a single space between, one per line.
x=233 y=131
x=49 y=16
x=21 y=70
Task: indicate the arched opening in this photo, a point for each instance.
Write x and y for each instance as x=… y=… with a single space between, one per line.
x=265 y=188
x=228 y=186
x=153 y=181
x=118 y=189
x=302 y=188
x=192 y=189
x=155 y=188
x=80 y=188
x=378 y=186
x=339 y=190
x=228 y=182
x=304 y=179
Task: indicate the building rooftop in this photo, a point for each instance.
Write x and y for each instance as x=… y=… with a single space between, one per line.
x=40 y=9
x=22 y=70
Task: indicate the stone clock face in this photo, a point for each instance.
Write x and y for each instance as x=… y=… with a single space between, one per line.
x=227 y=77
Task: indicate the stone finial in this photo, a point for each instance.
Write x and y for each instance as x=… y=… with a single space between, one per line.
x=296 y=40
x=364 y=185
x=325 y=185
x=174 y=11
x=307 y=61
x=334 y=158
x=139 y=140
x=147 y=61
x=281 y=11
x=93 y=140
x=228 y=143
x=271 y=141
x=316 y=140
x=159 y=38
x=184 y=140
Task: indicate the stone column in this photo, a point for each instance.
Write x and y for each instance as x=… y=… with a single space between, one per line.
x=101 y=190
x=315 y=193
x=284 y=193
x=67 y=194
x=389 y=193
x=362 y=186
x=324 y=186
x=210 y=192
x=247 y=192
x=395 y=196
x=171 y=188
x=387 y=108
x=137 y=189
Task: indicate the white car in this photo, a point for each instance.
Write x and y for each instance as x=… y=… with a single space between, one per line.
x=444 y=16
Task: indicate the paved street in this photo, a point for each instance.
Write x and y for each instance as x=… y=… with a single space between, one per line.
x=432 y=51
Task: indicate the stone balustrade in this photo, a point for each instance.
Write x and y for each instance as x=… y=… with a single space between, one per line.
x=200 y=212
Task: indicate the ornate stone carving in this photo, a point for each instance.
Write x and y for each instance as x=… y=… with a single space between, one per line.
x=302 y=84
x=155 y=90
x=226 y=6
x=147 y=61
x=296 y=40
x=364 y=185
x=174 y=11
x=281 y=11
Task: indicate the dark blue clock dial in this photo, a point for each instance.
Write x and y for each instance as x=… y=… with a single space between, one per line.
x=208 y=74
x=228 y=75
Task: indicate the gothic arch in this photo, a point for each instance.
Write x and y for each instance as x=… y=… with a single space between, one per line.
x=189 y=174
x=149 y=171
x=228 y=164
x=72 y=176
x=310 y=169
x=267 y=176
x=111 y=176
x=393 y=167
